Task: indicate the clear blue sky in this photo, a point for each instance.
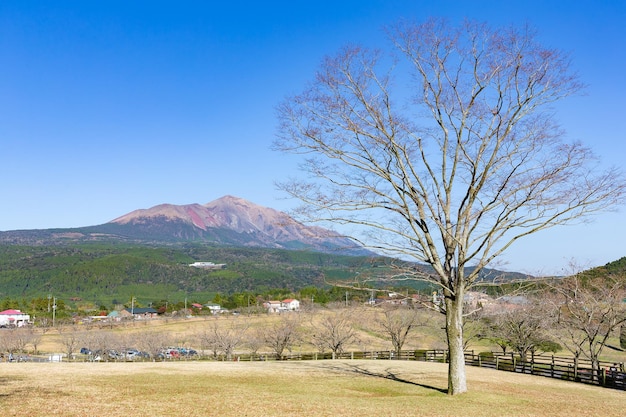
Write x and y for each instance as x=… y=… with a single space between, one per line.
x=111 y=106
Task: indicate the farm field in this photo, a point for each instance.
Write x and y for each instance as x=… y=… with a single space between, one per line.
x=304 y=388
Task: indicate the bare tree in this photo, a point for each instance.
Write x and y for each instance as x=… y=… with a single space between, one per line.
x=208 y=341
x=283 y=334
x=398 y=322
x=100 y=342
x=525 y=328
x=454 y=167
x=473 y=328
x=255 y=340
x=23 y=337
x=34 y=338
x=14 y=340
x=70 y=338
x=152 y=343
x=334 y=329
x=589 y=311
x=224 y=337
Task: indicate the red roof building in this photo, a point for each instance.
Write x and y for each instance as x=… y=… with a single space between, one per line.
x=13 y=318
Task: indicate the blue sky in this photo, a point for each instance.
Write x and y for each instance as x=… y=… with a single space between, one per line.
x=111 y=106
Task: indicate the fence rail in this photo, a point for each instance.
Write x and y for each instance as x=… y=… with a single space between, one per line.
x=551 y=366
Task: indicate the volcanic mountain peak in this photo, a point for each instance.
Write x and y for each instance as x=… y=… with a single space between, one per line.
x=229 y=212
x=228 y=221
x=252 y=225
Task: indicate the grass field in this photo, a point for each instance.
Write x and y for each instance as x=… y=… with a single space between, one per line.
x=313 y=388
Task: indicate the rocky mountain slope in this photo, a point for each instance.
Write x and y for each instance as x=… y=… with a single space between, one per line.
x=229 y=220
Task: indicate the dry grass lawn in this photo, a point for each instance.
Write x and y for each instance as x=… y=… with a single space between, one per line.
x=313 y=388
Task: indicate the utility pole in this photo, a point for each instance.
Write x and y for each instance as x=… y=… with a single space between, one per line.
x=54 y=310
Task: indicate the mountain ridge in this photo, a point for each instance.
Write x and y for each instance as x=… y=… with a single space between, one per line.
x=229 y=220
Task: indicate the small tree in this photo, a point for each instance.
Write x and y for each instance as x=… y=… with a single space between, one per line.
x=14 y=340
x=70 y=338
x=209 y=341
x=283 y=334
x=589 y=310
x=525 y=328
x=398 y=322
x=99 y=342
x=334 y=329
x=34 y=338
x=152 y=343
x=255 y=340
x=229 y=336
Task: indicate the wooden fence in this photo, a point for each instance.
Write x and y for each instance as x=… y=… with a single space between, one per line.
x=551 y=366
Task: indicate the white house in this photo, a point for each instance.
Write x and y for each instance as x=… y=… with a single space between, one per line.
x=214 y=308
x=273 y=306
x=13 y=318
x=278 y=306
x=291 y=304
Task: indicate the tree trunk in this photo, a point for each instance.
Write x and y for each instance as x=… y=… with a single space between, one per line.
x=457 y=383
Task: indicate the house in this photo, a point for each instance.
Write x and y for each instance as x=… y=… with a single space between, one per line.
x=13 y=318
x=291 y=304
x=138 y=313
x=475 y=299
x=214 y=308
x=288 y=304
x=114 y=316
x=273 y=306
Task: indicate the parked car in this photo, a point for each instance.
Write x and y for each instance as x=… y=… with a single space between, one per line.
x=187 y=351
x=170 y=353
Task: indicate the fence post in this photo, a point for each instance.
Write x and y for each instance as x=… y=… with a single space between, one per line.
x=497 y=361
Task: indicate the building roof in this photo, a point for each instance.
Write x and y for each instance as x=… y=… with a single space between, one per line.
x=141 y=310
x=12 y=313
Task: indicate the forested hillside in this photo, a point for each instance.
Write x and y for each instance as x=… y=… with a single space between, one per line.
x=103 y=272
x=616 y=268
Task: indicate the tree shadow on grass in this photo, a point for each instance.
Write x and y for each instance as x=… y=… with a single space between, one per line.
x=386 y=374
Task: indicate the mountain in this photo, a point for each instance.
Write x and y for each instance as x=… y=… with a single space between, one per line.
x=229 y=221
